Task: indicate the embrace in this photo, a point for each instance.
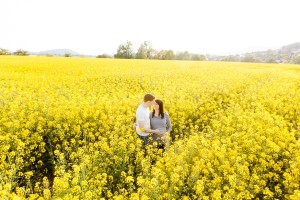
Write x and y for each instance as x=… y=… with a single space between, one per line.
x=152 y=126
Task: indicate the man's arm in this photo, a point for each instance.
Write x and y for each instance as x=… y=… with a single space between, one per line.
x=142 y=126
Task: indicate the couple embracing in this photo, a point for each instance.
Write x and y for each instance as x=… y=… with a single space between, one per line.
x=152 y=126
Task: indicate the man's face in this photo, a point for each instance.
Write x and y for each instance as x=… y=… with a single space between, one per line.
x=150 y=103
x=153 y=103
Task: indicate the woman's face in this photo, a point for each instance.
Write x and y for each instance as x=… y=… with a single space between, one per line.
x=155 y=105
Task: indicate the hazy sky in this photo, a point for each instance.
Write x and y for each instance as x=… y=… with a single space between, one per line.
x=198 y=26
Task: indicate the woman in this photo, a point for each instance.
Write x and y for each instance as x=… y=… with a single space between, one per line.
x=160 y=120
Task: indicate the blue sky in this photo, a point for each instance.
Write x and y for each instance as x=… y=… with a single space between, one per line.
x=198 y=26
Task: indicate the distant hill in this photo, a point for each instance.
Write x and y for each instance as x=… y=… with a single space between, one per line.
x=58 y=52
x=286 y=54
x=291 y=48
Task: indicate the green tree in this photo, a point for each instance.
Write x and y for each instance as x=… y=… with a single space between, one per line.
x=4 y=52
x=103 y=56
x=21 y=52
x=185 y=55
x=296 y=59
x=164 y=55
x=198 y=57
x=249 y=58
x=125 y=51
x=68 y=55
x=158 y=54
x=169 y=55
x=145 y=51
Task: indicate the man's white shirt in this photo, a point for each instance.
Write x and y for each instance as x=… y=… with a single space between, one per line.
x=142 y=115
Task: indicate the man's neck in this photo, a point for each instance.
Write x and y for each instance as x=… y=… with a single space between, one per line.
x=145 y=105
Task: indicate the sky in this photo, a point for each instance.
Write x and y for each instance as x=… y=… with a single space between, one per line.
x=94 y=27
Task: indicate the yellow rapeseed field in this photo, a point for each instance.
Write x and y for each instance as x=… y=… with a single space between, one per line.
x=66 y=129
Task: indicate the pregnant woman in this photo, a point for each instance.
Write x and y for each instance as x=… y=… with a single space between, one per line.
x=160 y=120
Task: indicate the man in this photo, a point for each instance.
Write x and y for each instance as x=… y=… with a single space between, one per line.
x=143 y=119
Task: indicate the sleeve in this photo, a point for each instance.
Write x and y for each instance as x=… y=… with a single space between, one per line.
x=139 y=116
x=168 y=121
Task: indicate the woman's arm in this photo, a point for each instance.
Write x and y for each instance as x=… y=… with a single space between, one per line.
x=169 y=124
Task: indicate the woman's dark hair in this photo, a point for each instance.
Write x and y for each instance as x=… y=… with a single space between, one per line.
x=148 y=97
x=161 y=108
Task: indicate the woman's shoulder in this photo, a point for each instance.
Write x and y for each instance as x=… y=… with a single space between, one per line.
x=166 y=113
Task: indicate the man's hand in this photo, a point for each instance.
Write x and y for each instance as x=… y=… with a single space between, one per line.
x=134 y=125
x=157 y=131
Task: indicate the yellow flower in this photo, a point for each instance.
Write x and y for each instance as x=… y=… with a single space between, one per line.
x=142 y=129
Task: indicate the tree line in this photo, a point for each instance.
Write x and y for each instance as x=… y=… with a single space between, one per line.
x=287 y=54
x=22 y=52
x=19 y=52
x=146 y=51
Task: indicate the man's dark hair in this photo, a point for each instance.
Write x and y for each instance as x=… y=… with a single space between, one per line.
x=148 y=97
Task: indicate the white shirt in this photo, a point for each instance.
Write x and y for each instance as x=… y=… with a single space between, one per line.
x=142 y=115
